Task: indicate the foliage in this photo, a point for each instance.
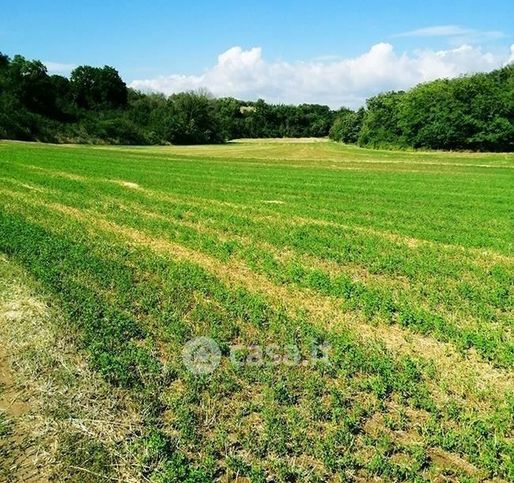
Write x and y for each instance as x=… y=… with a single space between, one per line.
x=95 y=106
x=192 y=119
x=347 y=126
x=98 y=88
x=473 y=112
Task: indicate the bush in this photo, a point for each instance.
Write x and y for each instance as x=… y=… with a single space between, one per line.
x=347 y=126
x=473 y=112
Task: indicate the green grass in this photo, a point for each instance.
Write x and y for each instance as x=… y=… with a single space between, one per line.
x=401 y=261
x=5 y=426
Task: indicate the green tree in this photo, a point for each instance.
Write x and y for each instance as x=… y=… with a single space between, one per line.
x=472 y=112
x=380 y=125
x=192 y=119
x=230 y=113
x=29 y=82
x=98 y=88
x=347 y=126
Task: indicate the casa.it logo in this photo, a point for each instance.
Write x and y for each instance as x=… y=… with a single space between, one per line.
x=201 y=355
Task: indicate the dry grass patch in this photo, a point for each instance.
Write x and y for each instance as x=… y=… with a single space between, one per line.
x=66 y=412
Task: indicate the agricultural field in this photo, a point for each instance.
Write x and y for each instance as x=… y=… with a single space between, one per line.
x=358 y=303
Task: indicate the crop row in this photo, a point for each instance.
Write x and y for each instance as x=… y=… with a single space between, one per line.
x=135 y=309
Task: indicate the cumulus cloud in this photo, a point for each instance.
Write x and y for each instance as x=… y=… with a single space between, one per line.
x=245 y=74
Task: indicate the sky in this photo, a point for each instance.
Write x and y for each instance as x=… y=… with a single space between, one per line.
x=330 y=52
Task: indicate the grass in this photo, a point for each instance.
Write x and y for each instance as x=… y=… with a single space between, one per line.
x=58 y=416
x=400 y=262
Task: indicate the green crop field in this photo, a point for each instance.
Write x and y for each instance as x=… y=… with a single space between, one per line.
x=361 y=302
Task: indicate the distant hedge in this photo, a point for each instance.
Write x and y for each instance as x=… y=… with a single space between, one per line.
x=473 y=112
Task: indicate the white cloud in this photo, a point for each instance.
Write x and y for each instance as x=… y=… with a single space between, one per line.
x=245 y=74
x=454 y=33
x=59 y=68
x=510 y=60
x=436 y=31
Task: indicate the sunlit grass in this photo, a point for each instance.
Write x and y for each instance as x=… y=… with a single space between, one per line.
x=401 y=261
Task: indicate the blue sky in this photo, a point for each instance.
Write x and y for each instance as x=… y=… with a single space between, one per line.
x=174 y=44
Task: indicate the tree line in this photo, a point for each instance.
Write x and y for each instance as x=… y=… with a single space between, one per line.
x=474 y=112
x=94 y=105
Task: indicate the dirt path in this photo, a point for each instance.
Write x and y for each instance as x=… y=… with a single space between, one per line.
x=18 y=454
x=53 y=407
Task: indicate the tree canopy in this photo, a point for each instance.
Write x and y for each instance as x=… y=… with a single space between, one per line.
x=94 y=105
x=473 y=112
